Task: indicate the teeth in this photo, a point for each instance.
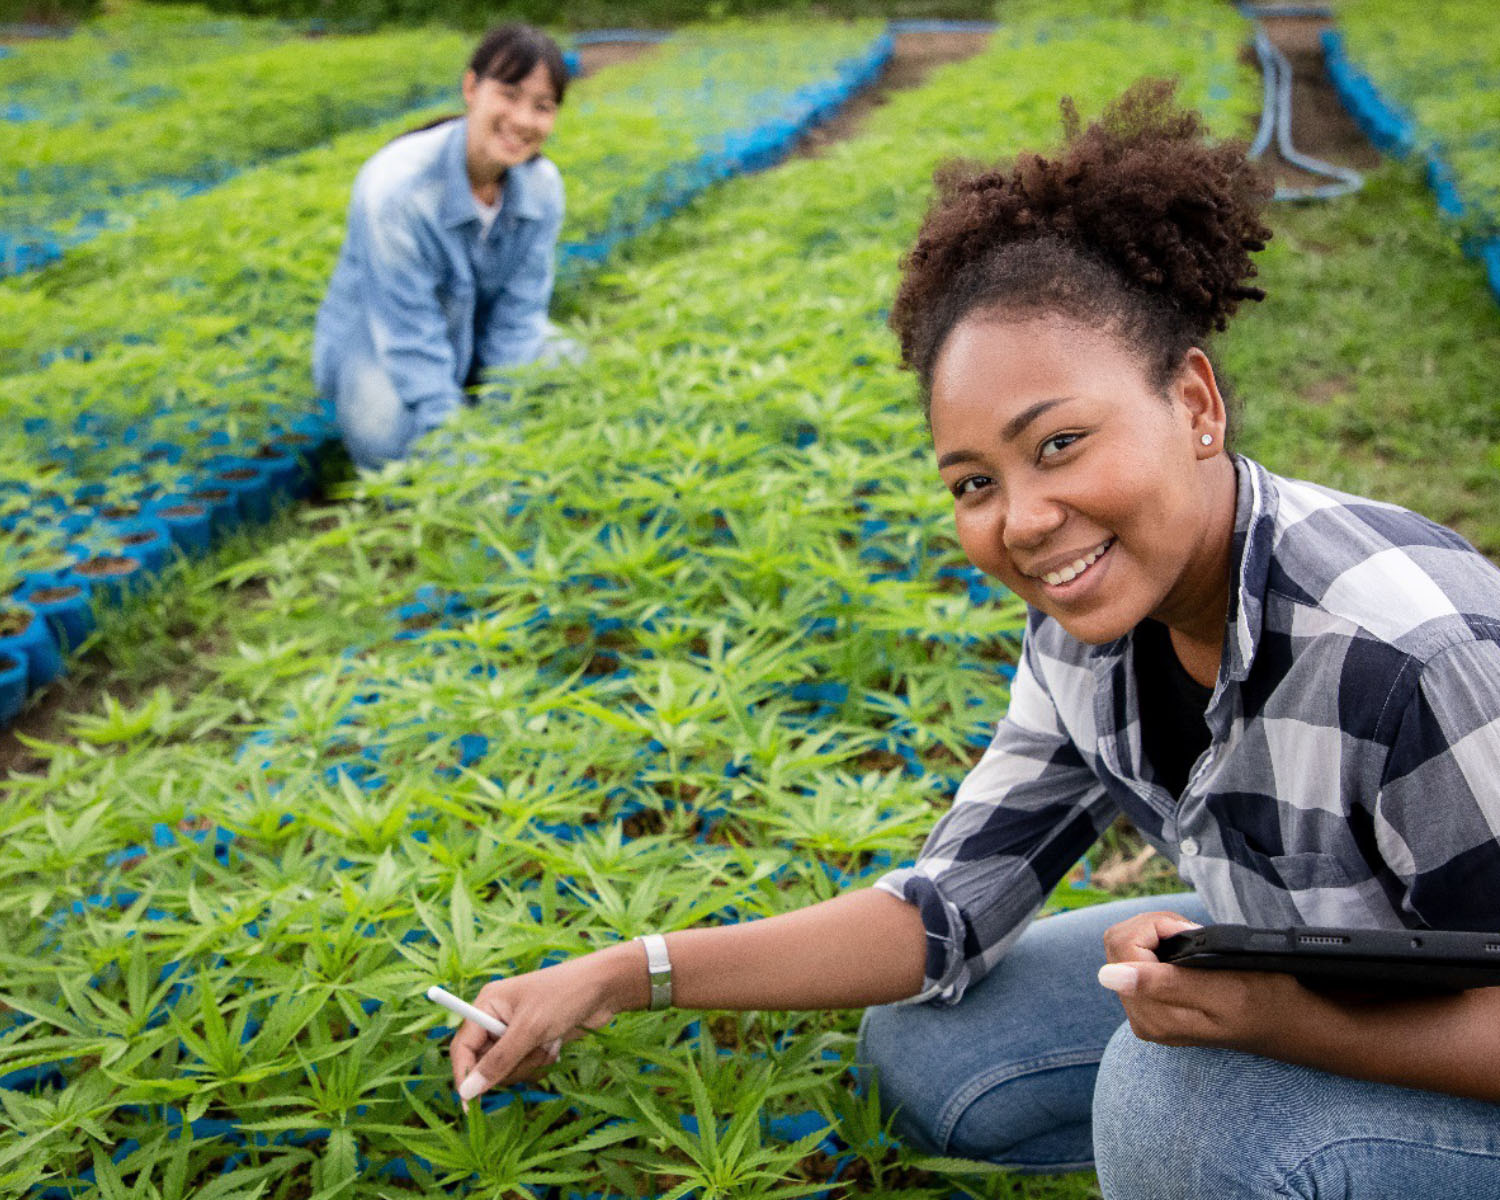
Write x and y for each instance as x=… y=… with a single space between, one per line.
x=1078 y=567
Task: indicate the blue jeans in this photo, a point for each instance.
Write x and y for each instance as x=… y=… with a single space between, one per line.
x=1036 y=1069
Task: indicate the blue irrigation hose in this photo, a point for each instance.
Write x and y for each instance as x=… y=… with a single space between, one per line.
x=1276 y=120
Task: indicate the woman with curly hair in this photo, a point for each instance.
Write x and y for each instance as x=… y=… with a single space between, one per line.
x=1292 y=693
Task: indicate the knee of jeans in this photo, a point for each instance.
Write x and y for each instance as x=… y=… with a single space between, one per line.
x=884 y=1059
x=1164 y=1122
x=1030 y=1114
x=376 y=425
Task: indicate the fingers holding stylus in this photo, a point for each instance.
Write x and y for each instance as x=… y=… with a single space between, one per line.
x=514 y=1030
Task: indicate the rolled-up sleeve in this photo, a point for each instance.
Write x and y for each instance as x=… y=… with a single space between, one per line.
x=1025 y=813
x=1437 y=818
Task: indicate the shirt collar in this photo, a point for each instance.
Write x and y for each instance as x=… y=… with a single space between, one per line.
x=1255 y=504
x=520 y=197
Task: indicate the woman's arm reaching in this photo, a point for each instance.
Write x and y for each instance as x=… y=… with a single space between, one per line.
x=864 y=947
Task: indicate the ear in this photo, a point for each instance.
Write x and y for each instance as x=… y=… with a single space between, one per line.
x=1196 y=391
x=470 y=86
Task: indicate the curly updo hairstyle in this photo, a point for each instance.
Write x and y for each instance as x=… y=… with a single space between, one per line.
x=1140 y=227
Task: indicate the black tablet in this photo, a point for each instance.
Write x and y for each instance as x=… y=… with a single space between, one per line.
x=1360 y=960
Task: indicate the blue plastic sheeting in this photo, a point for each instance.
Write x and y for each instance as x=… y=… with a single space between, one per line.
x=1393 y=131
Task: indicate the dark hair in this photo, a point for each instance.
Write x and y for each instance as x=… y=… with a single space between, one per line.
x=509 y=53
x=1139 y=226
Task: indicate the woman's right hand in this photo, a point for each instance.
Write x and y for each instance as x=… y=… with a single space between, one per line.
x=543 y=1009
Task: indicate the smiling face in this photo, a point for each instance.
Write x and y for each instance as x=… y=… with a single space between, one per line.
x=1083 y=488
x=508 y=122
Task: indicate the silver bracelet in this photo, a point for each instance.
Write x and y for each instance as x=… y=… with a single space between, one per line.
x=659 y=970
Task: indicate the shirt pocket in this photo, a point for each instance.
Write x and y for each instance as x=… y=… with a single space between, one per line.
x=1301 y=872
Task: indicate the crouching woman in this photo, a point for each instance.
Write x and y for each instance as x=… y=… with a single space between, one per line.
x=448 y=263
x=1294 y=694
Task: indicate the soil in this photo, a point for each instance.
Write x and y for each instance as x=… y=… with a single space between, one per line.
x=182 y=510
x=52 y=595
x=238 y=474
x=14 y=621
x=606 y=54
x=107 y=565
x=916 y=54
x=1321 y=126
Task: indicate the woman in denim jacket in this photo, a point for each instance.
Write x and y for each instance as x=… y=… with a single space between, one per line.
x=447 y=266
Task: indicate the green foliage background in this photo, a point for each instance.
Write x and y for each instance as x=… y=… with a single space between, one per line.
x=709 y=480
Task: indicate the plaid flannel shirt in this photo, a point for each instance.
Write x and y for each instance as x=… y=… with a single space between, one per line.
x=1353 y=772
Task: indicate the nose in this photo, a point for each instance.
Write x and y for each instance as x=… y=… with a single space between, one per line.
x=1032 y=515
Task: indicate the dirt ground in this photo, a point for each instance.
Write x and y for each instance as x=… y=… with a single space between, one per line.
x=605 y=54
x=1320 y=125
x=916 y=54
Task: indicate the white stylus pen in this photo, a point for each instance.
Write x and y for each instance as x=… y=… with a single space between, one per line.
x=456 y=1006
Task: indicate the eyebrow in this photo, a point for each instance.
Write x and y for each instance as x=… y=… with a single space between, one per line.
x=1012 y=430
x=1016 y=424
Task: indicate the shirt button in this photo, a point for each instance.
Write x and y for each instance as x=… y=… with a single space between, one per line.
x=1189 y=845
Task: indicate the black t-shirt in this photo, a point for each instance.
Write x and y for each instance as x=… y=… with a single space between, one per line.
x=1172 y=704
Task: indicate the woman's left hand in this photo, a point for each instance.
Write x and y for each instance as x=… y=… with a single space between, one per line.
x=1183 y=1006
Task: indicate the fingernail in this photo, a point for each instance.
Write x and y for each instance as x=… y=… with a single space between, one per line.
x=1119 y=977
x=473 y=1084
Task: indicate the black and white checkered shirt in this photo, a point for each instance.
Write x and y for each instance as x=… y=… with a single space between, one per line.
x=1353 y=776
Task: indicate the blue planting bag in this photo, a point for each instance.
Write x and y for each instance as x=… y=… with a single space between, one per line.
x=36 y=644
x=71 y=617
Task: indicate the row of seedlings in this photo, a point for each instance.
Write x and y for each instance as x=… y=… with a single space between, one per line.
x=699 y=645
x=117 y=496
x=118 y=59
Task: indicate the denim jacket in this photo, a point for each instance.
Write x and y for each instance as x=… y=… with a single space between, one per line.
x=421 y=290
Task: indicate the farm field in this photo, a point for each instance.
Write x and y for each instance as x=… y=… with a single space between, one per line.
x=679 y=634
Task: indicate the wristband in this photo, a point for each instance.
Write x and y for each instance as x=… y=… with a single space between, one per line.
x=658 y=969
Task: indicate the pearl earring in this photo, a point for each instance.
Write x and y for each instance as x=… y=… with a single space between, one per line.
x=1207 y=439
